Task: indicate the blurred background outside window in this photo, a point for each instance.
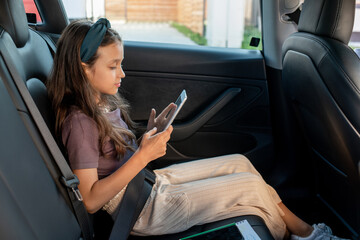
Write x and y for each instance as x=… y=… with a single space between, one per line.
x=355 y=37
x=219 y=23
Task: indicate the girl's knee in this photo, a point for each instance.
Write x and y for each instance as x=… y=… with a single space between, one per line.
x=240 y=158
x=243 y=162
x=256 y=181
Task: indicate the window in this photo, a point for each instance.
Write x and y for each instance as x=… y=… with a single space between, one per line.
x=32 y=11
x=355 y=37
x=218 y=23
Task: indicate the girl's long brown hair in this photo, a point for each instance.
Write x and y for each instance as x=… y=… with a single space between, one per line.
x=68 y=86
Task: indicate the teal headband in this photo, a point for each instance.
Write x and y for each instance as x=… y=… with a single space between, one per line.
x=93 y=39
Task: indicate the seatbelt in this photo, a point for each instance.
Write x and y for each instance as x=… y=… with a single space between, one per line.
x=295 y=16
x=68 y=178
x=135 y=197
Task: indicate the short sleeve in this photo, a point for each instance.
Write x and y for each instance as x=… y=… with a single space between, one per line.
x=80 y=137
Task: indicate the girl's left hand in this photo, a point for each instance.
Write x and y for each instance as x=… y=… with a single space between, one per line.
x=159 y=121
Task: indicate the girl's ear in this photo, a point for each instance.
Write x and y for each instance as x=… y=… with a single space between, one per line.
x=86 y=69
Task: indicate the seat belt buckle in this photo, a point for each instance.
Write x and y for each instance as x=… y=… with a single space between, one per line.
x=77 y=194
x=73 y=185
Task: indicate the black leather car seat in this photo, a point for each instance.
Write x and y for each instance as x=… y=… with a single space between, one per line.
x=34 y=212
x=34 y=206
x=321 y=81
x=29 y=53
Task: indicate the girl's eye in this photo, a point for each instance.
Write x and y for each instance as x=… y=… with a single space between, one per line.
x=113 y=68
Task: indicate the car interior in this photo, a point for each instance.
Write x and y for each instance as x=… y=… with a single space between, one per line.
x=291 y=108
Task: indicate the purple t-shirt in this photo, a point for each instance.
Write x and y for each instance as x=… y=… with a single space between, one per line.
x=80 y=136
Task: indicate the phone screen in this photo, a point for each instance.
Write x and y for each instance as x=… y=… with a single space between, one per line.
x=173 y=113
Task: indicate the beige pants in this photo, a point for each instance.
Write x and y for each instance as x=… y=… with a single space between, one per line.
x=208 y=190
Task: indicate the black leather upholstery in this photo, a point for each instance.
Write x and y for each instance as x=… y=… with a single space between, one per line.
x=13 y=20
x=29 y=52
x=33 y=61
x=333 y=19
x=321 y=78
x=37 y=205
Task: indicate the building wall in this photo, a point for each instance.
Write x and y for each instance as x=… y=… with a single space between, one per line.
x=191 y=14
x=142 y=10
x=152 y=10
x=186 y=12
x=115 y=9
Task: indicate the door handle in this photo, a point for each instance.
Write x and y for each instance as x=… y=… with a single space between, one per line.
x=184 y=130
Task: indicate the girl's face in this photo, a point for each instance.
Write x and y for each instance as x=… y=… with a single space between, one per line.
x=106 y=73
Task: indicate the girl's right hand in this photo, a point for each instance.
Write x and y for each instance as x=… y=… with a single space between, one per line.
x=153 y=144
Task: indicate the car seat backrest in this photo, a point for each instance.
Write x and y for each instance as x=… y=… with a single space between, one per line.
x=321 y=81
x=29 y=53
x=34 y=204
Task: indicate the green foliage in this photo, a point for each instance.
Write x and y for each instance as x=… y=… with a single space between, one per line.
x=195 y=37
x=250 y=32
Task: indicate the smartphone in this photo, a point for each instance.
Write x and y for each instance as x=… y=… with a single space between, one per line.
x=174 y=112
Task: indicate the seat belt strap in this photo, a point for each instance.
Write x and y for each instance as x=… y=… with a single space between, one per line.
x=150 y=175
x=135 y=197
x=69 y=179
x=295 y=16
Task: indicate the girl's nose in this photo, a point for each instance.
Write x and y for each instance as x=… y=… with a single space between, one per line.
x=121 y=73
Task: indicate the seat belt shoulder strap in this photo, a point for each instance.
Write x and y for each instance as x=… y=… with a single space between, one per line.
x=69 y=179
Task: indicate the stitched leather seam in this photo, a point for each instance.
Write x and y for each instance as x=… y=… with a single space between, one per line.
x=338 y=10
x=321 y=12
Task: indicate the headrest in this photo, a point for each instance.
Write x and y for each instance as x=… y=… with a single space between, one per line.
x=328 y=18
x=13 y=20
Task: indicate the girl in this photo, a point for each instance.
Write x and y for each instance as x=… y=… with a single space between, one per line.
x=94 y=125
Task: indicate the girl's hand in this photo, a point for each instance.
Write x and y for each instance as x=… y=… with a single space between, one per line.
x=160 y=121
x=153 y=144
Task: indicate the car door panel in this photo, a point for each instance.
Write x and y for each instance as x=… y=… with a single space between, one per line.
x=227 y=110
x=198 y=60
